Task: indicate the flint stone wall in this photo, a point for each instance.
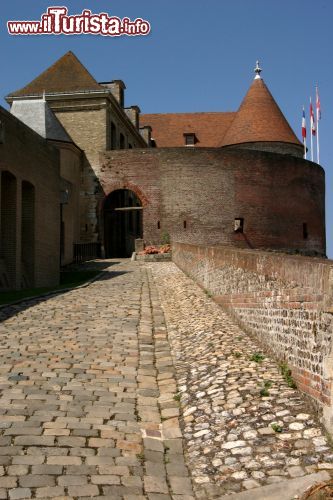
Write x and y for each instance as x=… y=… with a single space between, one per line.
x=286 y=301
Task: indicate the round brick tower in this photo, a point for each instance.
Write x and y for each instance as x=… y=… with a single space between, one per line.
x=280 y=196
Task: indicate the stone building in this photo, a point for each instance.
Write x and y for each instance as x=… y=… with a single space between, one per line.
x=236 y=179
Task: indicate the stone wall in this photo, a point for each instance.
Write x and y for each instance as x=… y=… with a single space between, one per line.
x=286 y=301
x=70 y=171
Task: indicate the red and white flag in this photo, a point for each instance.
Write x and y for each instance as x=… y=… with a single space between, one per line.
x=318 y=108
x=312 y=120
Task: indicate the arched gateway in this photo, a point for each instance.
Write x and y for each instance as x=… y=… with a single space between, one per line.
x=122 y=212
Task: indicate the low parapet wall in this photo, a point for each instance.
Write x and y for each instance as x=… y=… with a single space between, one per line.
x=286 y=301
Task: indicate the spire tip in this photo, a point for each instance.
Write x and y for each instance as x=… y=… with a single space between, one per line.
x=257 y=71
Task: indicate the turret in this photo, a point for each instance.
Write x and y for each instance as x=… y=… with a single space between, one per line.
x=260 y=124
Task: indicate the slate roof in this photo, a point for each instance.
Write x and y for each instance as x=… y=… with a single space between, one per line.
x=36 y=114
x=66 y=75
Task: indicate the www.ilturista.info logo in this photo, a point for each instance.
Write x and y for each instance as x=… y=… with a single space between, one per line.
x=56 y=21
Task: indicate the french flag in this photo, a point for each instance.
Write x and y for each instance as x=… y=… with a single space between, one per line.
x=303 y=125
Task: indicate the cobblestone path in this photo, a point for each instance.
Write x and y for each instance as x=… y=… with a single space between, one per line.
x=89 y=401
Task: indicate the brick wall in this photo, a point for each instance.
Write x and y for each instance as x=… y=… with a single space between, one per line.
x=286 y=301
x=196 y=194
x=33 y=164
x=139 y=171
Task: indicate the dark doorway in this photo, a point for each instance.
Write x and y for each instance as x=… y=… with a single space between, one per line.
x=122 y=223
x=8 y=227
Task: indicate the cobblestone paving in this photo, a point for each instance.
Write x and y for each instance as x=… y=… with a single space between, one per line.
x=89 y=401
x=243 y=425
x=87 y=387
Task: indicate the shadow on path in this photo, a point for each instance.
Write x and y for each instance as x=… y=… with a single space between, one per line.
x=7 y=311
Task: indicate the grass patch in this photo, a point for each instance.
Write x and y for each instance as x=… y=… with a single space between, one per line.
x=276 y=428
x=68 y=279
x=141 y=457
x=258 y=357
x=237 y=354
x=286 y=374
x=177 y=396
x=267 y=385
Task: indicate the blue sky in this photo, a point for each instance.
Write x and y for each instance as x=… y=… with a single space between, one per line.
x=199 y=56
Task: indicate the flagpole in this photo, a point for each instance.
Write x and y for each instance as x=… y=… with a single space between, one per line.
x=317 y=115
x=318 y=161
x=311 y=147
x=311 y=125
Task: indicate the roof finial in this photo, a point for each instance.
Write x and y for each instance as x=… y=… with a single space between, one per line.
x=257 y=71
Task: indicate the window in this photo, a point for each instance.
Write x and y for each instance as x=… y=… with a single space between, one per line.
x=184 y=224
x=158 y=225
x=122 y=141
x=190 y=139
x=239 y=225
x=305 y=231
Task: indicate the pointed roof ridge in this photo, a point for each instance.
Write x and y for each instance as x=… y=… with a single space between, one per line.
x=36 y=114
x=67 y=74
x=259 y=119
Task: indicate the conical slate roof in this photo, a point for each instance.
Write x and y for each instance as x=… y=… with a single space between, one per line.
x=36 y=114
x=259 y=119
x=65 y=75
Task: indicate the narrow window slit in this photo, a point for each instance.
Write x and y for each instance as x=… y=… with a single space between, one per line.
x=305 y=231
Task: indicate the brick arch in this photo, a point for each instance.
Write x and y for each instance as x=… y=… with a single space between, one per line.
x=124 y=185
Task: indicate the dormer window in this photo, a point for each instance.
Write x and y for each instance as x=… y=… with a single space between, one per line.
x=190 y=139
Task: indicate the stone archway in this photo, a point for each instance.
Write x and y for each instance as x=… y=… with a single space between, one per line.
x=123 y=222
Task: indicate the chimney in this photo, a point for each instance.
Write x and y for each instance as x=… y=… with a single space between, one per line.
x=117 y=88
x=146 y=134
x=133 y=114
